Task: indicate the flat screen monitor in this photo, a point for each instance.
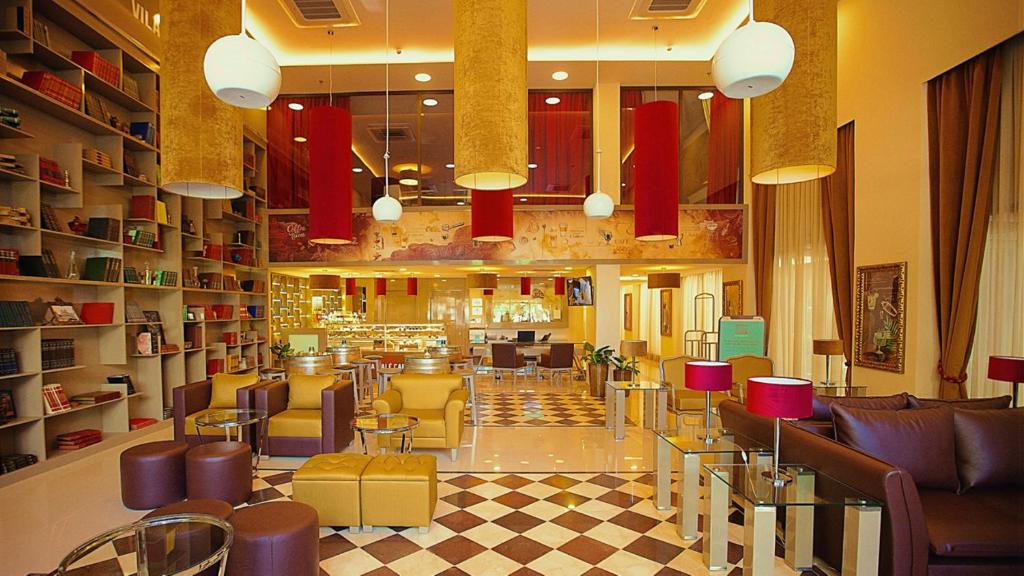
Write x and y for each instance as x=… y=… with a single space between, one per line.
x=526 y=336
x=580 y=291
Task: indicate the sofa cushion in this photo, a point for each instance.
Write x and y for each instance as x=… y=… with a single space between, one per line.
x=819 y=427
x=919 y=441
x=967 y=404
x=425 y=391
x=304 y=390
x=821 y=406
x=980 y=523
x=431 y=422
x=295 y=424
x=225 y=388
x=990 y=448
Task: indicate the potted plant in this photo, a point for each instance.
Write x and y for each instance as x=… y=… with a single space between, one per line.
x=624 y=369
x=598 y=360
x=282 y=352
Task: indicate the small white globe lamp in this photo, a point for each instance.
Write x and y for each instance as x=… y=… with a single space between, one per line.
x=754 y=60
x=242 y=72
x=387 y=209
x=598 y=206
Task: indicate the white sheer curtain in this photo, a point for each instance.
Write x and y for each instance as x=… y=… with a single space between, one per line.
x=1000 y=328
x=802 y=288
x=704 y=316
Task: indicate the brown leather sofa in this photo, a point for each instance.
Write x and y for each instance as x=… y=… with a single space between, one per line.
x=307 y=415
x=220 y=392
x=924 y=531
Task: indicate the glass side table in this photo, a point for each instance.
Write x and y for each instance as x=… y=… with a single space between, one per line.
x=807 y=490
x=234 y=421
x=655 y=415
x=385 y=424
x=726 y=447
x=163 y=545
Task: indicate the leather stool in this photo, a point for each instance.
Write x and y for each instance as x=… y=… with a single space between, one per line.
x=330 y=484
x=221 y=471
x=153 y=474
x=275 y=539
x=399 y=490
x=198 y=538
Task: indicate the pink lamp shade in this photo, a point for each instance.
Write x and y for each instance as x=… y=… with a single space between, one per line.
x=1006 y=368
x=778 y=397
x=709 y=376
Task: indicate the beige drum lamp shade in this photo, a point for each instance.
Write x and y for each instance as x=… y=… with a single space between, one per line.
x=490 y=94
x=633 y=348
x=324 y=282
x=828 y=347
x=482 y=280
x=200 y=135
x=663 y=280
x=793 y=128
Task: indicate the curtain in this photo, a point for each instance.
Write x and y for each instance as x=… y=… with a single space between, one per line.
x=837 y=202
x=1000 y=328
x=725 y=147
x=560 y=146
x=963 y=125
x=703 y=316
x=763 y=224
x=288 y=160
x=801 y=294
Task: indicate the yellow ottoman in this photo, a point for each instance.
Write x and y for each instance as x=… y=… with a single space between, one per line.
x=399 y=490
x=330 y=484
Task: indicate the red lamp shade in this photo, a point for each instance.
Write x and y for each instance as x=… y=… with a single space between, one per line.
x=777 y=397
x=488 y=291
x=380 y=286
x=525 y=286
x=709 y=376
x=656 y=210
x=330 y=176
x=350 y=286
x=1006 y=368
x=491 y=215
x=559 y=286
x=412 y=287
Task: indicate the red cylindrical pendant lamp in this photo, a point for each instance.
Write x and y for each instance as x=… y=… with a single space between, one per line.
x=380 y=286
x=559 y=286
x=491 y=215
x=488 y=291
x=656 y=210
x=412 y=287
x=330 y=175
x=525 y=286
x=350 y=286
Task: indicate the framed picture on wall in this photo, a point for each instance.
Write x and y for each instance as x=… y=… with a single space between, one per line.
x=666 y=312
x=880 y=321
x=627 y=311
x=732 y=298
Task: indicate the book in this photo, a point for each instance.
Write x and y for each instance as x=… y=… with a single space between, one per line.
x=132 y=311
x=102 y=269
x=58 y=353
x=8 y=361
x=96 y=397
x=104 y=228
x=7 y=411
x=15 y=313
x=125 y=379
x=50 y=221
x=136 y=423
x=55 y=400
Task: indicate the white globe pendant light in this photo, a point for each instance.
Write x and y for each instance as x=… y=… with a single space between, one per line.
x=241 y=71
x=754 y=60
x=386 y=208
x=598 y=205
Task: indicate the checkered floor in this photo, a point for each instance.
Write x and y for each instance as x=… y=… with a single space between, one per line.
x=527 y=408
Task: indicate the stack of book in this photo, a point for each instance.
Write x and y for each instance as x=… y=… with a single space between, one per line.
x=9 y=162
x=143 y=207
x=9 y=261
x=8 y=361
x=136 y=423
x=102 y=269
x=104 y=228
x=139 y=237
x=55 y=87
x=125 y=379
x=78 y=439
x=50 y=221
x=231 y=283
x=41 y=266
x=55 y=400
x=49 y=171
x=15 y=216
x=254 y=286
x=15 y=313
x=13 y=462
x=97 y=157
x=58 y=353
x=10 y=117
x=96 y=397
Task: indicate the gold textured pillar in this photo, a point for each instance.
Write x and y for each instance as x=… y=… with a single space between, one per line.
x=200 y=136
x=490 y=94
x=793 y=128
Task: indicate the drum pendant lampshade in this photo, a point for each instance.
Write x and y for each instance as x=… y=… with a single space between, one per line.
x=330 y=175
x=657 y=280
x=350 y=286
x=491 y=133
x=380 y=286
x=482 y=280
x=525 y=286
x=793 y=128
x=200 y=135
x=491 y=215
x=412 y=287
x=656 y=213
x=488 y=292
x=324 y=282
x=559 y=286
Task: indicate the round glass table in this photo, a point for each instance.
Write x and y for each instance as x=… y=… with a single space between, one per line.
x=160 y=546
x=385 y=424
x=233 y=421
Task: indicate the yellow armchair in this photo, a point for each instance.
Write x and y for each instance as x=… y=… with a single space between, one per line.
x=220 y=392
x=682 y=399
x=438 y=400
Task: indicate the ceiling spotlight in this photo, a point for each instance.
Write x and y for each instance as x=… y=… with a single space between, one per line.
x=708 y=95
x=531 y=165
x=295 y=106
x=450 y=165
x=460 y=203
x=552 y=100
x=422 y=77
x=559 y=75
x=429 y=102
x=299 y=139
x=357 y=169
x=522 y=199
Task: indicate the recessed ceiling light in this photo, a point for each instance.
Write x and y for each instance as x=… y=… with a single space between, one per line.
x=429 y=102
x=402 y=269
x=531 y=165
x=295 y=106
x=568 y=267
x=522 y=199
x=552 y=100
x=408 y=181
x=422 y=77
x=357 y=169
x=299 y=139
x=449 y=165
x=706 y=95
x=559 y=75
x=437 y=275
x=460 y=203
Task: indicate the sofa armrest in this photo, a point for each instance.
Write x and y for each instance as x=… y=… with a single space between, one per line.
x=390 y=402
x=245 y=397
x=189 y=399
x=455 y=417
x=338 y=407
x=272 y=398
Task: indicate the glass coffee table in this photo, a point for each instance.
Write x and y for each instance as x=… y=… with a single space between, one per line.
x=726 y=447
x=159 y=546
x=385 y=425
x=234 y=421
x=655 y=415
x=806 y=491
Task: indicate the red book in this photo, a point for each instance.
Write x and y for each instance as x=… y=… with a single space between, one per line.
x=136 y=423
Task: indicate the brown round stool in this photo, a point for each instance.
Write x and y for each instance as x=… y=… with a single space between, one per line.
x=153 y=474
x=220 y=471
x=198 y=538
x=275 y=539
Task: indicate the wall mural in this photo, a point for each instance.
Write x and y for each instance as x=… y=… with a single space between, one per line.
x=707 y=235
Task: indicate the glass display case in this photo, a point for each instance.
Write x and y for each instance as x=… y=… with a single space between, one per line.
x=386 y=336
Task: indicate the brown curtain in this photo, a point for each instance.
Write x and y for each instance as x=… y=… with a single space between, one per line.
x=763 y=204
x=963 y=126
x=837 y=197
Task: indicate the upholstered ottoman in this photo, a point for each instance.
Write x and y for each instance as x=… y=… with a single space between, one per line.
x=220 y=471
x=153 y=474
x=275 y=539
x=330 y=484
x=399 y=490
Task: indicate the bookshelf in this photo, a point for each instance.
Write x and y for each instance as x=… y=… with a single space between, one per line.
x=104 y=172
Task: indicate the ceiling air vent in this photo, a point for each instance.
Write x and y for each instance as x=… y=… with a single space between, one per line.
x=320 y=13
x=666 y=9
x=399 y=133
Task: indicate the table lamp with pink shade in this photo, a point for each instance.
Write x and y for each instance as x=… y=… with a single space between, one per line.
x=708 y=376
x=779 y=397
x=1007 y=369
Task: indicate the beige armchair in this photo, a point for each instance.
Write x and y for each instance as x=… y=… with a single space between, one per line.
x=682 y=400
x=748 y=366
x=438 y=400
